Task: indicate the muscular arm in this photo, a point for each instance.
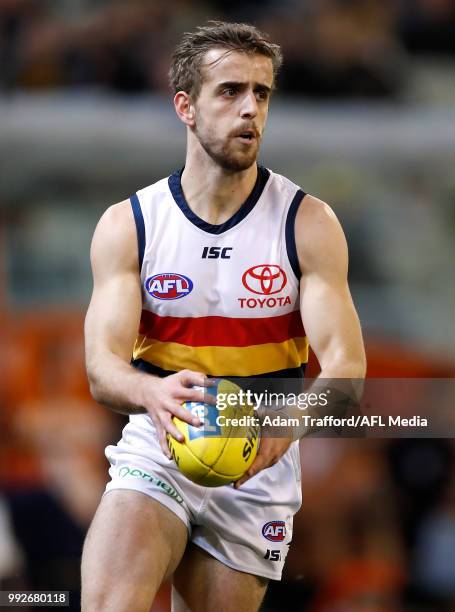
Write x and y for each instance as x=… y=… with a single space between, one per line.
x=329 y=317
x=113 y=315
x=111 y=326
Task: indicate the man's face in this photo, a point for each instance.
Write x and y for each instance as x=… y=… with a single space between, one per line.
x=231 y=109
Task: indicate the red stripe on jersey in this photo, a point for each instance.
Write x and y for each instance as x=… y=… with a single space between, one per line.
x=221 y=331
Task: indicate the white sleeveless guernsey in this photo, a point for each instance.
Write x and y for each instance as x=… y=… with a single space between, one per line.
x=220 y=299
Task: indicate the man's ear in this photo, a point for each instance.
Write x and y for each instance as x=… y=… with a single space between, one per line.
x=184 y=108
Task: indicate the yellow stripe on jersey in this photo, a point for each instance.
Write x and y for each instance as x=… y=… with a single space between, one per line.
x=223 y=360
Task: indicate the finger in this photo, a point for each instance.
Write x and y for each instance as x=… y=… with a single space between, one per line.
x=171 y=429
x=183 y=414
x=197 y=395
x=189 y=378
x=190 y=394
x=258 y=464
x=162 y=441
x=210 y=399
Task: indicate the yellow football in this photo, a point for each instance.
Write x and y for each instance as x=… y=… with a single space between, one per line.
x=223 y=448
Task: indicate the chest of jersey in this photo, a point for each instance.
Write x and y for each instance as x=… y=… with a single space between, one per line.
x=242 y=274
x=209 y=292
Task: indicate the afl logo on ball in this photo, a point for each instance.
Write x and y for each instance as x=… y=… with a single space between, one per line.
x=265 y=279
x=168 y=286
x=275 y=531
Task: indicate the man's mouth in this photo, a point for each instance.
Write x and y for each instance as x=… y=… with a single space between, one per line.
x=247 y=136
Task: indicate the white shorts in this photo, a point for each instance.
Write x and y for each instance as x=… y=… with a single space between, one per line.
x=248 y=529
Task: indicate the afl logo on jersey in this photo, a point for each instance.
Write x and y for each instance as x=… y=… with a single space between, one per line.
x=275 y=531
x=265 y=279
x=168 y=286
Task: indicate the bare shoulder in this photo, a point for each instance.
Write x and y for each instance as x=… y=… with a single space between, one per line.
x=319 y=237
x=115 y=240
x=117 y=221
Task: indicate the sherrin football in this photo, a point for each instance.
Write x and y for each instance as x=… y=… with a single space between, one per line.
x=223 y=448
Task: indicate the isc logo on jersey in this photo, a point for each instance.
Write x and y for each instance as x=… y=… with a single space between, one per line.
x=168 y=286
x=275 y=531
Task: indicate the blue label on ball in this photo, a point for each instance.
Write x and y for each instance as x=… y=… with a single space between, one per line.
x=207 y=414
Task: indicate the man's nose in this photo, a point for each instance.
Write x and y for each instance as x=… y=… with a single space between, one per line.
x=249 y=105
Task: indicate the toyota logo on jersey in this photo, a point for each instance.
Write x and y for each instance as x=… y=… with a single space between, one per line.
x=265 y=279
x=168 y=286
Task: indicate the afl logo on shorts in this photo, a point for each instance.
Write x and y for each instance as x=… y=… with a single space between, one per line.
x=275 y=531
x=265 y=279
x=168 y=286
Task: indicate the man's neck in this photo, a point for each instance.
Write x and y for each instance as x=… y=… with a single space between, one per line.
x=215 y=194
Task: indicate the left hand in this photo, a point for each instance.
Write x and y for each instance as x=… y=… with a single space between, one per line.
x=270 y=452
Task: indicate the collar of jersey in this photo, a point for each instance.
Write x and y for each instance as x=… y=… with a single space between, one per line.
x=175 y=186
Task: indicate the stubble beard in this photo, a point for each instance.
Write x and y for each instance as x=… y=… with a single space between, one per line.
x=222 y=153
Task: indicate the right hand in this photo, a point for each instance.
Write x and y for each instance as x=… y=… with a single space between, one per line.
x=165 y=401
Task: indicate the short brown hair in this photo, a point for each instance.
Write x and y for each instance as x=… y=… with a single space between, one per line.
x=185 y=73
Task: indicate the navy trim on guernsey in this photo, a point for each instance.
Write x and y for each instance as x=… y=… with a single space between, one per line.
x=140 y=227
x=175 y=186
x=148 y=367
x=291 y=247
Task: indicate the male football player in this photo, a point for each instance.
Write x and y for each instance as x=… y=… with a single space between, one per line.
x=224 y=268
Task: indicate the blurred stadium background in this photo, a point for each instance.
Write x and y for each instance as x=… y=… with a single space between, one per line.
x=364 y=118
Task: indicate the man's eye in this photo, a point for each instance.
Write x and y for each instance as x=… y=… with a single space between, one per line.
x=230 y=91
